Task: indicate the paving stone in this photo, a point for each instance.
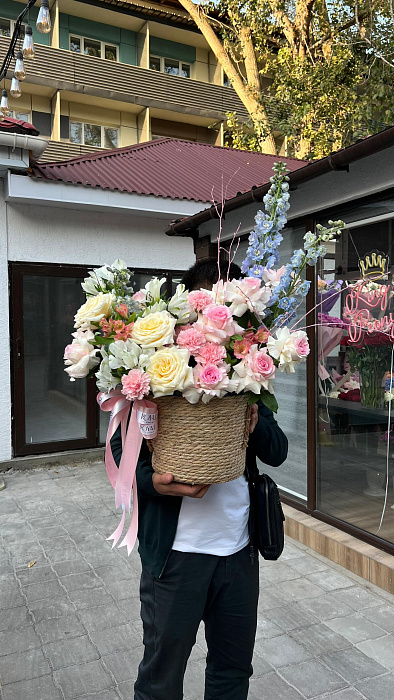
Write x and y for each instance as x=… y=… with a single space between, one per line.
x=17 y=640
x=330 y=580
x=280 y=572
x=347 y=694
x=36 y=574
x=42 y=688
x=312 y=678
x=113 y=639
x=23 y=666
x=86 y=678
x=319 y=639
x=126 y=689
x=14 y=618
x=69 y=652
x=357 y=598
x=123 y=589
x=44 y=589
x=326 y=607
x=382 y=650
x=353 y=665
x=290 y=617
x=68 y=553
x=381 y=688
x=355 y=628
x=266 y=628
x=297 y=590
x=44 y=522
x=60 y=628
x=124 y=663
x=102 y=617
x=273 y=687
x=194 y=680
x=12 y=598
x=307 y=564
x=382 y=616
x=90 y=597
x=131 y=607
x=48 y=609
x=281 y=651
x=105 y=695
x=76 y=566
x=76 y=582
x=260 y=666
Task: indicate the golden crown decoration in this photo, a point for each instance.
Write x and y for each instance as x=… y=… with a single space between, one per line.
x=374 y=265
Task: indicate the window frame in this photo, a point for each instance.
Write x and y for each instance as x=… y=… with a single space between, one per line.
x=162 y=59
x=102 y=127
x=14 y=112
x=103 y=44
x=12 y=25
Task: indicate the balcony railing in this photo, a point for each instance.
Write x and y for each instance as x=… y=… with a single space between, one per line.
x=65 y=70
x=63 y=150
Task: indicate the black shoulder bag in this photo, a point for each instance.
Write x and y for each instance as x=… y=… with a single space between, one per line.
x=266 y=517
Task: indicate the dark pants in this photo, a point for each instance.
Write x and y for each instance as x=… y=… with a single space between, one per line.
x=222 y=591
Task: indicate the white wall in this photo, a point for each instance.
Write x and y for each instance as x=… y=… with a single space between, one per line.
x=55 y=235
x=5 y=378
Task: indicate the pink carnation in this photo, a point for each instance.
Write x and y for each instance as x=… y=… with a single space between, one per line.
x=199 y=300
x=192 y=339
x=212 y=354
x=135 y=384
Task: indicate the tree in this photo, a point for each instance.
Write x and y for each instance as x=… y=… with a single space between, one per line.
x=318 y=71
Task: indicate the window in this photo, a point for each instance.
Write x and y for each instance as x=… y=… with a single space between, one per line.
x=169 y=66
x=226 y=81
x=24 y=116
x=94 y=135
x=7 y=26
x=91 y=47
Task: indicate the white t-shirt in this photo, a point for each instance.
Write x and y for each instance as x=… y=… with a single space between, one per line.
x=217 y=523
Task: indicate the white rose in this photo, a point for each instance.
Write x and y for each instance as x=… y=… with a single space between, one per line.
x=123 y=354
x=169 y=371
x=94 y=310
x=247 y=293
x=80 y=355
x=289 y=348
x=154 y=330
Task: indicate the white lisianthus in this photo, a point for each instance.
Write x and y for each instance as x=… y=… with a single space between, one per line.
x=119 y=265
x=247 y=293
x=178 y=306
x=157 y=306
x=154 y=330
x=80 y=355
x=123 y=354
x=169 y=371
x=96 y=308
x=146 y=354
x=289 y=348
x=91 y=285
x=105 y=379
x=153 y=289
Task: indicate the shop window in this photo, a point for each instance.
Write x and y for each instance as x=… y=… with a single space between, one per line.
x=94 y=135
x=91 y=47
x=355 y=407
x=169 y=66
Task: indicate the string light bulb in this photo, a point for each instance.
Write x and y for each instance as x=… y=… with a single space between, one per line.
x=19 y=70
x=43 y=23
x=4 y=109
x=28 y=45
x=15 y=90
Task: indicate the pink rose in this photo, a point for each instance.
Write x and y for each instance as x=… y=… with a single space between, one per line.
x=301 y=346
x=217 y=324
x=209 y=376
x=211 y=353
x=192 y=339
x=255 y=371
x=135 y=384
x=80 y=355
x=262 y=365
x=140 y=296
x=199 y=300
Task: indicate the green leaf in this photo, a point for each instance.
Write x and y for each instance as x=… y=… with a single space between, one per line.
x=100 y=340
x=253 y=398
x=237 y=337
x=269 y=400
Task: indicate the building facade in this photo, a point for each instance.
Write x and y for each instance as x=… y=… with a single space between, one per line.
x=112 y=74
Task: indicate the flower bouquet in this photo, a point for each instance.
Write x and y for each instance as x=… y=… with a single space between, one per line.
x=370 y=356
x=192 y=364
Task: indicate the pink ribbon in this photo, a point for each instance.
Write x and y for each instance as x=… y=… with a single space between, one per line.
x=143 y=423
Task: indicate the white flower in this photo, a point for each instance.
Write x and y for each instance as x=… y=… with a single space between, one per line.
x=154 y=330
x=105 y=380
x=218 y=292
x=153 y=289
x=247 y=293
x=96 y=308
x=119 y=265
x=288 y=348
x=90 y=286
x=178 y=306
x=80 y=355
x=124 y=354
x=157 y=306
x=169 y=371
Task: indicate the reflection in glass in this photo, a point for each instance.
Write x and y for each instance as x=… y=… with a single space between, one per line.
x=92 y=134
x=355 y=445
x=92 y=48
x=55 y=408
x=5 y=29
x=154 y=63
x=75 y=44
x=171 y=67
x=110 y=137
x=185 y=70
x=75 y=132
x=110 y=52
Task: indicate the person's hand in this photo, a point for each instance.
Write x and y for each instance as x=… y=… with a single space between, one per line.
x=254 y=417
x=165 y=485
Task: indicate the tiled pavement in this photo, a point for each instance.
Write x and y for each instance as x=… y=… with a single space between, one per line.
x=69 y=624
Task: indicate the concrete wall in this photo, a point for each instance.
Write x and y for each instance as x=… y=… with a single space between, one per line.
x=5 y=377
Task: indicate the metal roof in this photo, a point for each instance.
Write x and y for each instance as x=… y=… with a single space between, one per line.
x=168 y=168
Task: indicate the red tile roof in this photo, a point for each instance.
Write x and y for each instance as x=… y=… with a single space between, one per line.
x=168 y=168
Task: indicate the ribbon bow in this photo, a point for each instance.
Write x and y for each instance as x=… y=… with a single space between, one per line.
x=143 y=423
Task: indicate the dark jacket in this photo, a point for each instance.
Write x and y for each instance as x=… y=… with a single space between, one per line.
x=158 y=515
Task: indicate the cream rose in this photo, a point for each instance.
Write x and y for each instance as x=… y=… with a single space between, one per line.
x=154 y=330
x=169 y=371
x=94 y=310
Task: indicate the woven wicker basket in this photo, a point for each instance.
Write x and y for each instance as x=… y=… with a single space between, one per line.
x=201 y=443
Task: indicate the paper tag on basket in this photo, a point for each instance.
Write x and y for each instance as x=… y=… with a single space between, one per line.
x=148 y=422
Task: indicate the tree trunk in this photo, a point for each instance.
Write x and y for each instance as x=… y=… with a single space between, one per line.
x=246 y=93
